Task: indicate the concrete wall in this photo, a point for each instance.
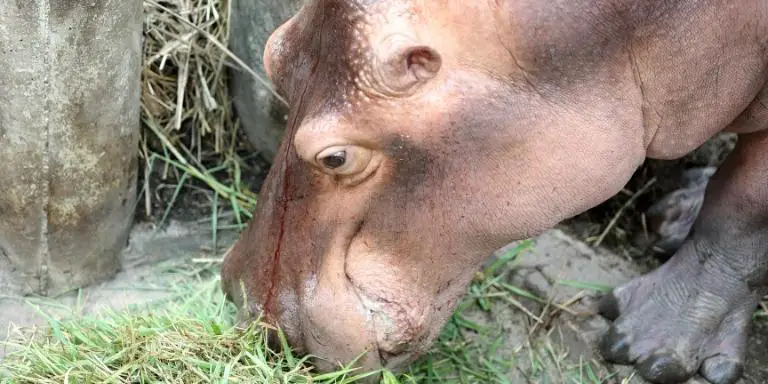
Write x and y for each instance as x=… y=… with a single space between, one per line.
x=69 y=126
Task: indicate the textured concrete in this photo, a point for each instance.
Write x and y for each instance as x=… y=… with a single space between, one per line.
x=69 y=125
x=262 y=116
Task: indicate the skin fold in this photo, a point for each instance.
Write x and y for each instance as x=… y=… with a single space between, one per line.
x=424 y=135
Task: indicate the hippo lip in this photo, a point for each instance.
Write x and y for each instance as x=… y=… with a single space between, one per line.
x=388 y=358
x=362 y=297
x=379 y=308
x=372 y=321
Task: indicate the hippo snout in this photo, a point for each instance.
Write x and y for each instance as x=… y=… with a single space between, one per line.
x=344 y=323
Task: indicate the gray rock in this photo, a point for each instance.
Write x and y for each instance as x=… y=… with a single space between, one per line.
x=560 y=267
x=262 y=116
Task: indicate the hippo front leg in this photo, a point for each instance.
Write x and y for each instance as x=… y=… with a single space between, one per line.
x=693 y=314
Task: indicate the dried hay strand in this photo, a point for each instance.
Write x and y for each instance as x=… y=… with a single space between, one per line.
x=189 y=135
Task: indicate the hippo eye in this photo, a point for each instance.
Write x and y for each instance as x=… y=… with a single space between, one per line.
x=335 y=160
x=347 y=160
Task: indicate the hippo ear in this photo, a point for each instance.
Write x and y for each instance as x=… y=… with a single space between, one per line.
x=407 y=65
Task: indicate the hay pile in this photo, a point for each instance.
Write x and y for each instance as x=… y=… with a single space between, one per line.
x=190 y=143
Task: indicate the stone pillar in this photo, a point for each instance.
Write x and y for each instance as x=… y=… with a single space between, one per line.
x=261 y=115
x=69 y=128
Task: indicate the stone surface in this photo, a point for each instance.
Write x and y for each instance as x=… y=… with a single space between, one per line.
x=558 y=262
x=262 y=116
x=69 y=126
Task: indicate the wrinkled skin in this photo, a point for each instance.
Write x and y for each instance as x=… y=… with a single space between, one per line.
x=426 y=134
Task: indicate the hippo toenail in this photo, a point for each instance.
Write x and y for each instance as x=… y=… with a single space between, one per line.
x=608 y=306
x=614 y=346
x=720 y=370
x=663 y=369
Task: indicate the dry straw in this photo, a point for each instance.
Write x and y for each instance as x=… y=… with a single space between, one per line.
x=189 y=132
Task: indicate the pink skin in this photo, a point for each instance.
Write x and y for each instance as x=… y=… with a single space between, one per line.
x=463 y=125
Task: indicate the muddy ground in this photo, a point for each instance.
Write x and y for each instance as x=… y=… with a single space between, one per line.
x=156 y=256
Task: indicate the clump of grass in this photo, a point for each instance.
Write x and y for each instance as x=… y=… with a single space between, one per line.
x=187 y=340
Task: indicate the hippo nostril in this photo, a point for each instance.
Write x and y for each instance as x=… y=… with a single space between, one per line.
x=273 y=340
x=395 y=362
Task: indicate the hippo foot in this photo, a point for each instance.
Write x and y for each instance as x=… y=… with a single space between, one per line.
x=691 y=315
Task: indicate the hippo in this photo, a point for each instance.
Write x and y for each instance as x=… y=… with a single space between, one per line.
x=671 y=218
x=424 y=135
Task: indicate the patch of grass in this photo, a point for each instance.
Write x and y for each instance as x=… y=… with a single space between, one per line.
x=191 y=339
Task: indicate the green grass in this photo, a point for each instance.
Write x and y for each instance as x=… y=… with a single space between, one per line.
x=191 y=338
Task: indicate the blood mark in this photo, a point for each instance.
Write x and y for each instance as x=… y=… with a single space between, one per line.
x=285 y=193
x=281 y=233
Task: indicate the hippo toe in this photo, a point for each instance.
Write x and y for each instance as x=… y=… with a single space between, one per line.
x=680 y=320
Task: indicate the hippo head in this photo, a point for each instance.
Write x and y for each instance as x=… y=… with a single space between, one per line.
x=423 y=135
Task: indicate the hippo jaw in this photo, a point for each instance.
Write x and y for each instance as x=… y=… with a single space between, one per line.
x=354 y=306
x=406 y=162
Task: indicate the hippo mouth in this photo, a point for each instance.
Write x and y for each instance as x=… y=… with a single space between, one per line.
x=391 y=330
x=355 y=312
x=396 y=323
